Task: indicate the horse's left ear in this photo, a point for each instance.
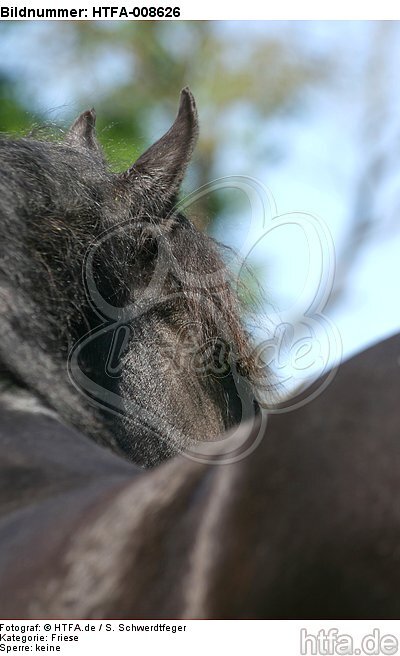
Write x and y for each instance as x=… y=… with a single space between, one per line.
x=160 y=170
x=82 y=133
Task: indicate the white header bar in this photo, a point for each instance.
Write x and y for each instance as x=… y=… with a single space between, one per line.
x=131 y=10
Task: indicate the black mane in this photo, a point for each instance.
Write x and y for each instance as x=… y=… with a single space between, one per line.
x=165 y=282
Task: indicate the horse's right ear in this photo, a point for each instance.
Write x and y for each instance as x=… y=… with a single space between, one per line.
x=160 y=170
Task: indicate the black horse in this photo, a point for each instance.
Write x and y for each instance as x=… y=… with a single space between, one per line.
x=100 y=270
x=307 y=525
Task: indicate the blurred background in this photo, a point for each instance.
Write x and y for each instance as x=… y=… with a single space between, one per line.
x=310 y=110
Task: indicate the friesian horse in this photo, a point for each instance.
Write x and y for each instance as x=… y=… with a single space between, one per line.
x=102 y=283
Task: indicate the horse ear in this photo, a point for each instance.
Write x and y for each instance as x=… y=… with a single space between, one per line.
x=160 y=170
x=82 y=133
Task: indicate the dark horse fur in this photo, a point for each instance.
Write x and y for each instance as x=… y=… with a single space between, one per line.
x=164 y=281
x=307 y=525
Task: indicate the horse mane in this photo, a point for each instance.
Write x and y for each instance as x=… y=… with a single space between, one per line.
x=60 y=201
